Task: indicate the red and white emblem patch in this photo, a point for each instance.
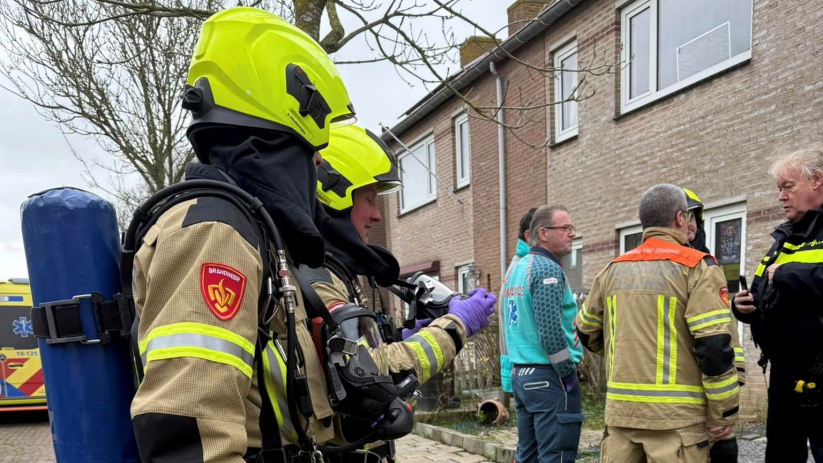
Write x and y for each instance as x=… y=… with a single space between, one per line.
x=222 y=288
x=724 y=296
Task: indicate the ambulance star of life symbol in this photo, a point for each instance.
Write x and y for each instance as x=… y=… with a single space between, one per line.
x=22 y=327
x=512 y=312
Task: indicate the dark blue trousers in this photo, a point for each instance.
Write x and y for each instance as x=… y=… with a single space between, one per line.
x=548 y=418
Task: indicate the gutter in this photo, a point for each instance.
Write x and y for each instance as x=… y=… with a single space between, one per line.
x=548 y=17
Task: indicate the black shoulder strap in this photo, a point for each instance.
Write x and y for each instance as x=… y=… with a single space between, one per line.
x=314 y=305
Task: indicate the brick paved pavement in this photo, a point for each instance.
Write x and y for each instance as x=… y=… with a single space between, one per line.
x=25 y=437
x=414 y=449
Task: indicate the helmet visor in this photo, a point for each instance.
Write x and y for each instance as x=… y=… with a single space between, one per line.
x=362 y=329
x=384 y=188
x=343 y=121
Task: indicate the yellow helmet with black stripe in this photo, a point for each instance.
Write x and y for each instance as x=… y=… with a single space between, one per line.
x=354 y=158
x=253 y=70
x=693 y=202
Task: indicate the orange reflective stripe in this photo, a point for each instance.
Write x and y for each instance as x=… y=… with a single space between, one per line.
x=655 y=249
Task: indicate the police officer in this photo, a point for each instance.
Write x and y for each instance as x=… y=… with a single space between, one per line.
x=784 y=310
x=263 y=96
x=357 y=167
x=724 y=451
x=660 y=316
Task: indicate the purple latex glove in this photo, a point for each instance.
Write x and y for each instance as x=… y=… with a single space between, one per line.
x=475 y=311
x=418 y=325
x=570 y=381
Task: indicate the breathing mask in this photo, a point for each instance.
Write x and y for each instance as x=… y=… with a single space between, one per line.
x=356 y=366
x=426 y=296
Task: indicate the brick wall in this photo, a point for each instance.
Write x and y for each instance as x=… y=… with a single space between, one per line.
x=441 y=230
x=716 y=138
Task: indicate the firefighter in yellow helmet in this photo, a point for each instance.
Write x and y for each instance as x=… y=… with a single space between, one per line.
x=263 y=97
x=724 y=451
x=357 y=167
x=660 y=316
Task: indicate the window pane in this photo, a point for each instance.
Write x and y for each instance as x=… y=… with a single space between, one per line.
x=573 y=268
x=639 y=52
x=464 y=150
x=568 y=82
x=415 y=177
x=727 y=239
x=632 y=241
x=432 y=180
x=694 y=35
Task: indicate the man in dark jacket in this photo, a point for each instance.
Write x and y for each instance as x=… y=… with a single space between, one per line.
x=723 y=451
x=785 y=309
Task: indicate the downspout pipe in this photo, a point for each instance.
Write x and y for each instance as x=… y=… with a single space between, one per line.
x=501 y=167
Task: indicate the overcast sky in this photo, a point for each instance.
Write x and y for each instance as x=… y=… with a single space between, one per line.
x=35 y=156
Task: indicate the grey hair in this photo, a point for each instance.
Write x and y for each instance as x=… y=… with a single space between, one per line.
x=806 y=162
x=543 y=217
x=659 y=205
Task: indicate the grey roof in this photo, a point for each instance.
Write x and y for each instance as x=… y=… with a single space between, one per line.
x=480 y=66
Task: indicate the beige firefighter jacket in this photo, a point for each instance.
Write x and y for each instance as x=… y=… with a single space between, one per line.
x=660 y=315
x=424 y=353
x=197 y=282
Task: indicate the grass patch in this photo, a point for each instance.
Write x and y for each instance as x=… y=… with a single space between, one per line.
x=593 y=408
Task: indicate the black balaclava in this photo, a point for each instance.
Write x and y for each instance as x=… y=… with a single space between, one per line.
x=278 y=169
x=343 y=241
x=699 y=241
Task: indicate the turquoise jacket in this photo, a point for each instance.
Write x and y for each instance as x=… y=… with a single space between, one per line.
x=506 y=364
x=539 y=312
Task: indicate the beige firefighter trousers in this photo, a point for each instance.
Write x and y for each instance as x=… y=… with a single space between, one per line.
x=627 y=445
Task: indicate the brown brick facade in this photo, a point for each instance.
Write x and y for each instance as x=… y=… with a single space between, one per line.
x=717 y=138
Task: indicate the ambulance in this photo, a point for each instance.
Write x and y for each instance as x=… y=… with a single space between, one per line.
x=21 y=374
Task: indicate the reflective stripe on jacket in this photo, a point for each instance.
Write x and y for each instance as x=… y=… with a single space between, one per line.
x=659 y=314
x=788 y=321
x=425 y=353
x=199 y=400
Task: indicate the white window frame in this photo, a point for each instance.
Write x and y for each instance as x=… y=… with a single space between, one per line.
x=577 y=245
x=462 y=270
x=628 y=231
x=559 y=55
x=722 y=214
x=432 y=182
x=653 y=94
x=462 y=181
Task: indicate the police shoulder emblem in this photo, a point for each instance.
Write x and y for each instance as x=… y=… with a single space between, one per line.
x=222 y=288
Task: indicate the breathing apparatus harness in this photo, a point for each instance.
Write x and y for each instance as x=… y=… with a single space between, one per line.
x=384 y=319
x=396 y=421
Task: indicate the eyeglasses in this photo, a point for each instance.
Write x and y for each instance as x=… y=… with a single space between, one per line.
x=566 y=228
x=688 y=215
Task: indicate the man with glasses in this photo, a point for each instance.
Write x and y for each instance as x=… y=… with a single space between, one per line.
x=538 y=312
x=660 y=316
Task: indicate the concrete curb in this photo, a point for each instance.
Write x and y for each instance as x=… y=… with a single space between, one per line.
x=471 y=444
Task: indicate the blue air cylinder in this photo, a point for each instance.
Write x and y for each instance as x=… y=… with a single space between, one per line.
x=71 y=243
